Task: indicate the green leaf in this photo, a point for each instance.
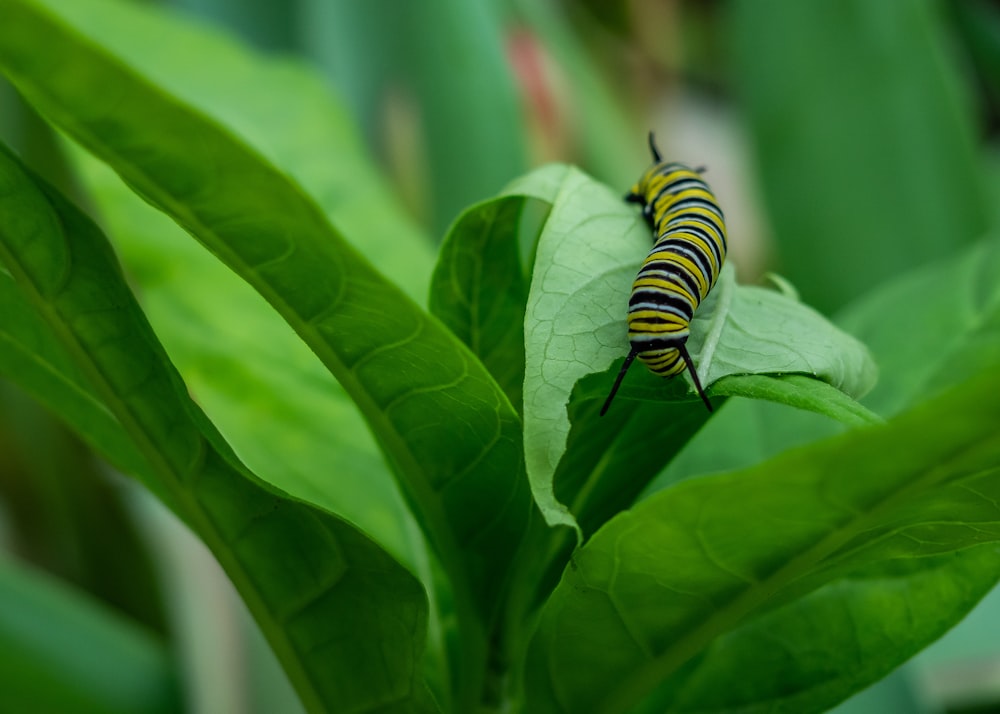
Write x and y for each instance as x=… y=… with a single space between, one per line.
x=587 y=258
x=61 y=651
x=281 y=108
x=275 y=402
x=479 y=288
x=272 y=398
x=284 y=414
x=833 y=642
x=925 y=340
x=446 y=427
x=298 y=569
x=645 y=599
x=867 y=151
x=798 y=391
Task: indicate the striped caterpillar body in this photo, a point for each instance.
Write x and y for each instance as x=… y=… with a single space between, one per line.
x=680 y=270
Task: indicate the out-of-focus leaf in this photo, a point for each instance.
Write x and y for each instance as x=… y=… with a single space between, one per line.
x=64 y=515
x=299 y=569
x=650 y=595
x=864 y=143
x=441 y=65
x=61 y=652
x=605 y=134
x=587 y=257
x=925 y=340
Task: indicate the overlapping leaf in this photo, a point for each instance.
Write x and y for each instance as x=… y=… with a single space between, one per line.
x=446 y=427
x=479 y=288
x=660 y=583
x=587 y=258
x=327 y=597
x=281 y=108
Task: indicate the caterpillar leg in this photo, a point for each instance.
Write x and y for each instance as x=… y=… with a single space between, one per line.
x=618 y=380
x=694 y=375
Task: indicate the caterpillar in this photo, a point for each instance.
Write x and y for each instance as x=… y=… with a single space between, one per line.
x=689 y=248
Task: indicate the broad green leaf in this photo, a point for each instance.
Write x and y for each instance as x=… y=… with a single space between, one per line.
x=864 y=142
x=446 y=427
x=645 y=599
x=274 y=401
x=479 y=288
x=281 y=108
x=270 y=396
x=61 y=651
x=267 y=392
x=812 y=653
x=587 y=257
x=326 y=597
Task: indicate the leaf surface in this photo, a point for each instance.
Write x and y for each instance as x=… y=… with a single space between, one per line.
x=658 y=584
x=327 y=598
x=479 y=288
x=587 y=257
x=281 y=108
x=446 y=427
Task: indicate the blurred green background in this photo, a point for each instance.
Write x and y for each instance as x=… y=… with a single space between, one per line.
x=848 y=142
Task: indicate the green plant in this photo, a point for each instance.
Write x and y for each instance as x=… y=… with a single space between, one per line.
x=788 y=584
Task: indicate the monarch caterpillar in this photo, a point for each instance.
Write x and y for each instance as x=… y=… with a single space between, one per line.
x=689 y=248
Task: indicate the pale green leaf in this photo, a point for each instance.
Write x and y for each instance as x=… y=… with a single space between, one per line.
x=587 y=257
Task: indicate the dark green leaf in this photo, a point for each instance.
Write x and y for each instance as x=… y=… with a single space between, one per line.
x=812 y=653
x=279 y=107
x=659 y=584
x=445 y=425
x=327 y=598
x=479 y=288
